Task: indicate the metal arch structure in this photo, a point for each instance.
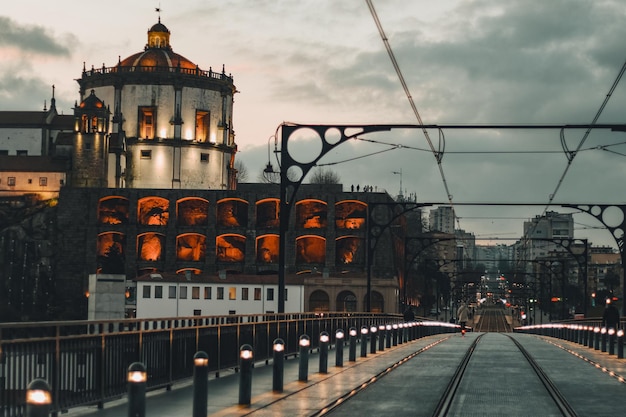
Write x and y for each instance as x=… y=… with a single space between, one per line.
x=617 y=226
x=335 y=135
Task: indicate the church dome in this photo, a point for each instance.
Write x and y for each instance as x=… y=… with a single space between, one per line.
x=158 y=54
x=92 y=102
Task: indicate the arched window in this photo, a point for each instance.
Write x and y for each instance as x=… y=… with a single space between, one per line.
x=319 y=301
x=346 y=301
x=377 y=302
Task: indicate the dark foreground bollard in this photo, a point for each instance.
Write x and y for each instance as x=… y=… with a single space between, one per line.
x=303 y=368
x=389 y=335
x=395 y=334
x=339 y=336
x=38 y=398
x=324 y=341
x=200 y=384
x=381 y=337
x=620 y=344
x=137 y=378
x=373 y=331
x=364 y=332
x=246 y=358
x=611 y=333
x=596 y=338
x=352 y=347
x=603 y=339
x=278 y=365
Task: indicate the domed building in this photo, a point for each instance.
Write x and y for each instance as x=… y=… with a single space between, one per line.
x=172 y=120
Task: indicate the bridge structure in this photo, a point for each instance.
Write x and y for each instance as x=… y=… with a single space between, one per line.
x=414 y=368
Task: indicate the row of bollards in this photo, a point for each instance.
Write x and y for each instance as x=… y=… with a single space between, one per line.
x=39 y=395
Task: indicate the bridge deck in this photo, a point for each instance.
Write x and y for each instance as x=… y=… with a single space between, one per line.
x=500 y=386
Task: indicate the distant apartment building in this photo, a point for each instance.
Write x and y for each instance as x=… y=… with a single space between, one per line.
x=442 y=219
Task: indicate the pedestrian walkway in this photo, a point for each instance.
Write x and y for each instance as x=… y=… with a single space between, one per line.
x=304 y=398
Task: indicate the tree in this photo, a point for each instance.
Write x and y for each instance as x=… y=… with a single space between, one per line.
x=242 y=171
x=325 y=176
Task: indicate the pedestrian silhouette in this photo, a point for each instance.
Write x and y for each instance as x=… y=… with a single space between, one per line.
x=610 y=318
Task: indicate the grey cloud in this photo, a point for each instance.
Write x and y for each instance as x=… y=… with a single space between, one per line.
x=32 y=38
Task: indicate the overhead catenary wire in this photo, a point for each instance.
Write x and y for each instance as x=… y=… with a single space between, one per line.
x=436 y=153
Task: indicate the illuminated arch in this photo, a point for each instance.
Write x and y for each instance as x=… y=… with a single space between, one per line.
x=150 y=246
x=192 y=211
x=267 y=212
x=349 y=250
x=113 y=210
x=183 y=271
x=346 y=301
x=319 y=301
x=311 y=214
x=153 y=211
x=110 y=249
x=310 y=249
x=190 y=247
x=267 y=248
x=232 y=212
x=230 y=248
x=350 y=214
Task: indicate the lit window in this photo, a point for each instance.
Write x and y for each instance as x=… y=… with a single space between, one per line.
x=146 y=154
x=257 y=294
x=202 y=125
x=43 y=181
x=232 y=293
x=270 y=294
x=158 y=291
x=172 y=291
x=207 y=293
x=244 y=293
x=195 y=293
x=220 y=293
x=146 y=291
x=147 y=126
x=183 y=293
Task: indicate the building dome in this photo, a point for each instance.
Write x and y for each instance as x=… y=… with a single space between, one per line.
x=158 y=54
x=92 y=102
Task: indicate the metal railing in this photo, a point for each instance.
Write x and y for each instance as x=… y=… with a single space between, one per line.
x=85 y=362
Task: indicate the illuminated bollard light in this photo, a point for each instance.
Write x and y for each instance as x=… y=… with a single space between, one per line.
x=200 y=384
x=620 y=344
x=364 y=332
x=303 y=370
x=395 y=334
x=381 y=337
x=611 y=333
x=136 y=379
x=38 y=398
x=603 y=339
x=352 y=348
x=405 y=332
x=278 y=366
x=590 y=336
x=389 y=335
x=246 y=359
x=596 y=338
x=400 y=333
x=373 y=331
x=324 y=341
x=339 y=336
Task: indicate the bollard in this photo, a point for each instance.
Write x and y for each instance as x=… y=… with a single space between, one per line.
x=38 y=398
x=590 y=336
x=611 y=333
x=246 y=358
x=373 y=331
x=278 y=365
x=388 y=329
x=395 y=334
x=603 y=339
x=620 y=344
x=200 y=384
x=596 y=337
x=303 y=370
x=137 y=378
x=324 y=340
x=352 y=348
x=339 y=336
x=381 y=337
x=364 y=332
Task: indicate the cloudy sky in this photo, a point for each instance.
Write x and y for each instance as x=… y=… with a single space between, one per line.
x=465 y=62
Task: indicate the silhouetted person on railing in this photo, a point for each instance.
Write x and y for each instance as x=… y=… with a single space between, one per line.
x=610 y=318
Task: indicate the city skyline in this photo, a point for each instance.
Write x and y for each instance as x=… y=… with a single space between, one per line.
x=465 y=62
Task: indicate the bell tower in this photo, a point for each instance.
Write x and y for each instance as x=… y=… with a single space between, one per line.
x=90 y=143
